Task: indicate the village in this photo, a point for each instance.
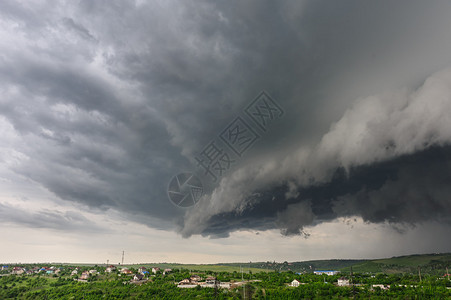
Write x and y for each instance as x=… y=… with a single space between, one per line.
x=53 y=280
x=143 y=275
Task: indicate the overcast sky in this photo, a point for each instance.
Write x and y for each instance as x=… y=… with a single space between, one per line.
x=104 y=102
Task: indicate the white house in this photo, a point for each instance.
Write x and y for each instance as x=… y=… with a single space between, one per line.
x=155 y=270
x=211 y=280
x=185 y=281
x=110 y=269
x=330 y=273
x=295 y=283
x=18 y=270
x=381 y=286
x=138 y=277
x=343 y=281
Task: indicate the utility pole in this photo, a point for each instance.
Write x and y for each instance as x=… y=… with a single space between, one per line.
x=351 y=275
x=244 y=284
x=123 y=253
x=107 y=262
x=419 y=273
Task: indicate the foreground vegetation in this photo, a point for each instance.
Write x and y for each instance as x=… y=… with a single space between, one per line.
x=261 y=285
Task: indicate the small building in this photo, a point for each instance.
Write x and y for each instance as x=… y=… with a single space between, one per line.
x=328 y=272
x=211 y=280
x=126 y=271
x=18 y=270
x=195 y=278
x=4 y=268
x=93 y=272
x=110 y=269
x=185 y=281
x=155 y=270
x=84 y=275
x=142 y=270
x=138 y=277
x=166 y=271
x=343 y=281
x=295 y=283
x=74 y=272
x=381 y=286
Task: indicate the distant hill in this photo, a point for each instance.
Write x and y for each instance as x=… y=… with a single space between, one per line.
x=428 y=263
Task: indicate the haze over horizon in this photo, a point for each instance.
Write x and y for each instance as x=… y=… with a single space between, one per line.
x=103 y=103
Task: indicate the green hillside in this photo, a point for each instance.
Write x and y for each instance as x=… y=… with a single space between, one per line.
x=428 y=263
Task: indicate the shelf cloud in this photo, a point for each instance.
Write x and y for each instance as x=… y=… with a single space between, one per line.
x=104 y=102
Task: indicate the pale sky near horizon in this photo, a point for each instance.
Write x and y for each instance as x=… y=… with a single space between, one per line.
x=103 y=103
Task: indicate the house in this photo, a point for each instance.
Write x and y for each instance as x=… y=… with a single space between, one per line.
x=74 y=272
x=155 y=270
x=166 y=271
x=93 y=272
x=195 y=278
x=343 y=281
x=185 y=281
x=295 y=283
x=381 y=286
x=126 y=271
x=4 y=268
x=211 y=280
x=18 y=270
x=330 y=273
x=142 y=270
x=138 y=277
x=84 y=275
x=110 y=269
x=225 y=285
x=57 y=271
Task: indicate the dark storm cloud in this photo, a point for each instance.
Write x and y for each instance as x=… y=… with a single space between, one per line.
x=407 y=190
x=110 y=99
